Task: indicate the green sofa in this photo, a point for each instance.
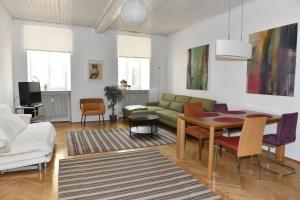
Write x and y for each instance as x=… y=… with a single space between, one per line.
x=169 y=106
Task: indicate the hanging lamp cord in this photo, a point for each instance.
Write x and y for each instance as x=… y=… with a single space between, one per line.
x=242 y=20
x=229 y=13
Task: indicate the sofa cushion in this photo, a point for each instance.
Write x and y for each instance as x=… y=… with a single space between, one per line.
x=167 y=114
x=154 y=108
x=178 y=107
x=182 y=99
x=164 y=104
x=168 y=97
x=207 y=104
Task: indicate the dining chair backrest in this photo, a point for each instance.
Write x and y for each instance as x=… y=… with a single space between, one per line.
x=286 y=132
x=220 y=107
x=251 y=138
x=190 y=108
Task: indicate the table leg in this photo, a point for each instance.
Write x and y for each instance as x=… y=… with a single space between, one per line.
x=211 y=152
x=279 y=154
x=180 y=138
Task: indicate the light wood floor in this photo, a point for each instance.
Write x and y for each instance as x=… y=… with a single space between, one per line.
x=43 y=185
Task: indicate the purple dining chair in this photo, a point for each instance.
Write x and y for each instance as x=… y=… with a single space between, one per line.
x=286 y=133
x=222 y=107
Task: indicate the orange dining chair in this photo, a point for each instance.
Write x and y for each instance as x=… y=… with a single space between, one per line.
x=92 y=106
x=249 y=143
x=190 y=109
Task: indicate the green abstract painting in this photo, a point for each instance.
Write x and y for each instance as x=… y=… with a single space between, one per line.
x=197 y=68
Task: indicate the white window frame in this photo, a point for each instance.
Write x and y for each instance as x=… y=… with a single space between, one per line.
x=67 y=71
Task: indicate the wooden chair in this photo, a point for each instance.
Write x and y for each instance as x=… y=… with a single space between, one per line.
x=249 y=143
x=191 y=108
x=92 y=106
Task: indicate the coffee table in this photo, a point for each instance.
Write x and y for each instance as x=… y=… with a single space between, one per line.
x=143 y=124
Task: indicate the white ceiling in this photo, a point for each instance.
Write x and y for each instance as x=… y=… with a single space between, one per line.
x=165 y=16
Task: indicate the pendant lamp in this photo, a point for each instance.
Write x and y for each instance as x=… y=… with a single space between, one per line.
x=134 y=12
x=234 y=49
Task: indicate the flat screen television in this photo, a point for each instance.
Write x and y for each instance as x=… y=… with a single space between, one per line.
x=30 y=93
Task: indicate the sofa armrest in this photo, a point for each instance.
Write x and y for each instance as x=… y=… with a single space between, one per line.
x=152 y=103
x=25 y=117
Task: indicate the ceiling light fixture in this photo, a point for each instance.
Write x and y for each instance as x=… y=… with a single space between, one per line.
x=233 y=49
x=134 y=12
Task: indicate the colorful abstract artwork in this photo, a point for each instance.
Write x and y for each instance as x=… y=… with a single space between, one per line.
x=272 y=68
x=197 y=68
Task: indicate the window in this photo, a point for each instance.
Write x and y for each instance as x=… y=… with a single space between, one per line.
x=135 y=71
x=134 y=55
x=51 y=69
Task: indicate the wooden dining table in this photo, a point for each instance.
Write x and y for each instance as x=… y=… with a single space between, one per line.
x=213 y=123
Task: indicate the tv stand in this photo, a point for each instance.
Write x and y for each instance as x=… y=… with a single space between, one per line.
x=32 y=109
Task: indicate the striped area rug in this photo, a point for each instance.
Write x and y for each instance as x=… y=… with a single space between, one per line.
x=127 y=176
x=96 y=141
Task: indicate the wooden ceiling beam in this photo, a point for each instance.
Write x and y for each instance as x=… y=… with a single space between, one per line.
x=109 y=16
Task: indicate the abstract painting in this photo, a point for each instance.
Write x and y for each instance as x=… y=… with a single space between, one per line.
x=272 y=68
x=197 y=68
x=95 y=69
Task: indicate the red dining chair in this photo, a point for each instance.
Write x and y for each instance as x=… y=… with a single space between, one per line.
x=190 y=109
x=286 y=133
x=249 y=143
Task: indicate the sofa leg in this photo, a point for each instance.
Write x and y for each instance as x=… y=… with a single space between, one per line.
x=40 y=167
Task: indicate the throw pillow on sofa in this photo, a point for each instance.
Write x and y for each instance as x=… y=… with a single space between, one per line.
x=164 y=104
x=12 y=125
x=178 y=107
x=4 y=143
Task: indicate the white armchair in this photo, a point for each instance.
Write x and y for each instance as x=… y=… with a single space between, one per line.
x=24 y=145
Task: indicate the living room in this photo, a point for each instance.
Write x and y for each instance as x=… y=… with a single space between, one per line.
x=90 y=39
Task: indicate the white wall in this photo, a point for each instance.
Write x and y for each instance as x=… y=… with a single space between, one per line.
x=89 y=45
x=6 y=96
x=227 y=79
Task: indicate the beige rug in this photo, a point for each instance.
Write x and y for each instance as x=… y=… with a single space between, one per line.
x=96 y=141
x=131 y=175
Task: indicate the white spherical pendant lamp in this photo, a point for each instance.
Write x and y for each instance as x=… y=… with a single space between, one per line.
x=134 y=12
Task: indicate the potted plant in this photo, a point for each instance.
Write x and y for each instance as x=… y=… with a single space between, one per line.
x=114 y=95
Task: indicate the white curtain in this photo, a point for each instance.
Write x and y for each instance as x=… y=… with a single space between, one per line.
x=134 y=47
x=45 y=38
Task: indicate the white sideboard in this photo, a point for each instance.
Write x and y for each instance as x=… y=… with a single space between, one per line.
x=135 y=97
x=57 y=106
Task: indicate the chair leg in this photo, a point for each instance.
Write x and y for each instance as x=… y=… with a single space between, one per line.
x=258 y=166
x=238 y=166
x=81 y=119
x=200 y=148
x=221 y=150
x=103 y=119
x=269 y=153
x=216 y=157
x=84 y=120
x=99 y=119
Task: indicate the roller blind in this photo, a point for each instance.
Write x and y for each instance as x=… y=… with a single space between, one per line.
x=44 y=38
x=134 y=47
